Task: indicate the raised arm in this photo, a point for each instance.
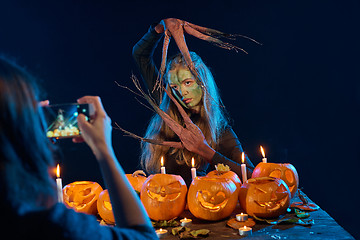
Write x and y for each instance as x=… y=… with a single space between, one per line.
x=127 y=208
x=143 y=52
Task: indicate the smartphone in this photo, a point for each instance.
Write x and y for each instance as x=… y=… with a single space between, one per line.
x=62 y=119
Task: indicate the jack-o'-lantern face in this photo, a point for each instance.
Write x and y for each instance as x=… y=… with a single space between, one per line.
x=82 y=196
x=286 y=172
x=163 y=196
x=264 y=197
x=212 y=198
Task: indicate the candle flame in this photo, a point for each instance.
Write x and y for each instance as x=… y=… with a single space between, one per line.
x=162 y=161
x=192 y=162
x=244 y=227
x=262 y=151
x=185 y=219
x=58 y=171
x=243 y=157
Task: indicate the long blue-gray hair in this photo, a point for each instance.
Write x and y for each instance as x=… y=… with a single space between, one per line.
x=212 y=118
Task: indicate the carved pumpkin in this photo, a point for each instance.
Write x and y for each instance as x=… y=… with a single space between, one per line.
x=223 y=171
x=164 y=196
x=82 y=196
x=104 y=207
x=212 y=198
x=285 y=171
x=137 y=179
x=265 y=197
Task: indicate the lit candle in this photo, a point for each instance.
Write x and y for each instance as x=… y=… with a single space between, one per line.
x=245 y=231
x=242 y=217
x=264 y=160
x=185 y=222
x=59 y=185
x=243 y=167
x=161 y=233
x=193 y=169
x=163 y=171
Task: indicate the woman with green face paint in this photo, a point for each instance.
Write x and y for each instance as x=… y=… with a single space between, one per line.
x=216 y=143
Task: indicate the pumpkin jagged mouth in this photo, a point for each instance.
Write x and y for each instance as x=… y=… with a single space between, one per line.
x=162 y=196
x=211 y=206
x=272 y=205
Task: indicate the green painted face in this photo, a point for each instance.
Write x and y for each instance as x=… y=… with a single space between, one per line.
x=185 y=88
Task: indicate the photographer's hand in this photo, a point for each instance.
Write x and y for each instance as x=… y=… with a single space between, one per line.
x=97 y=132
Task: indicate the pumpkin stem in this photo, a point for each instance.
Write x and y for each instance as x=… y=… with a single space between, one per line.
x=139 y=172
x=221 y=168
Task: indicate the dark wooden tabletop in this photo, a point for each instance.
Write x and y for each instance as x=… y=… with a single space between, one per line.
x=324 y=227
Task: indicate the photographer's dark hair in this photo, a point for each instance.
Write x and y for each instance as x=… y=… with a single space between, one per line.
x=26 y=159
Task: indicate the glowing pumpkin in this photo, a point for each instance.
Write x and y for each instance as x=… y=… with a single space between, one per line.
x=82 y=196
x=265 y=197
x=104 y=207
x=164 y=196
x=212 y=198
x=223 y=171
x=137 y=179
x=285 y=171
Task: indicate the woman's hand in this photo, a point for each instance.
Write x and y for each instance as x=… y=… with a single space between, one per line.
x=193 y=140
x=97 y=132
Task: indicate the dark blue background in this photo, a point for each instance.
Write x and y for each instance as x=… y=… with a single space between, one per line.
x=298 y=95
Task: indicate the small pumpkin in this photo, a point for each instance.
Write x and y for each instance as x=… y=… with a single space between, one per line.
x=82 y=196
x=164 y=196
x=136 y=179
x=264 y=197
x=104 y=207
x=225 y=172
x=284 y=171
x=212 y=198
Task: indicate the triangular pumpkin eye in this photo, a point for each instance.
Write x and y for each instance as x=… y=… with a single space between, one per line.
x=173 y=187
x=276 y=173
x=154 y=189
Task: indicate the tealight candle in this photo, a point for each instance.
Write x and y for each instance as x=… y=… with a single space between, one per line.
x=243 y=168
x=245 y=231
x=163 y=171
x=185 y=222
x=264 y=160
x=161 y=233
x=59 y=185
x=242 y=217
x=193 y=169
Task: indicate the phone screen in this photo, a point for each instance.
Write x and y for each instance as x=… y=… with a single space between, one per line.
x=62 y=119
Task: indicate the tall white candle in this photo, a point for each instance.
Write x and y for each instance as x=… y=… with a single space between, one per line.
x=193 y=169
x=163 y=171
x=264 y=160
x=59 y=185
x=243 y=168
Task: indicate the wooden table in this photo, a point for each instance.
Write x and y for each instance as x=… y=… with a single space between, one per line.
x=325 y=227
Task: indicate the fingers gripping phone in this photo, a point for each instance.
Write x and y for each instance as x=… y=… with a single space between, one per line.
x=62 y=119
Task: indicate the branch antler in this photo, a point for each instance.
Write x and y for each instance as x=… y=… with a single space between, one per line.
x=175 y=28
